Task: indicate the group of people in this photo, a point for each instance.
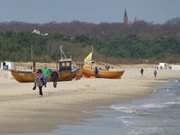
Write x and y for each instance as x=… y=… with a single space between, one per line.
x=142 y=72
x=41 y=79
x=97 y=69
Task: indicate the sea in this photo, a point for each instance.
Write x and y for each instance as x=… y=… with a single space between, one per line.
x=156 y=114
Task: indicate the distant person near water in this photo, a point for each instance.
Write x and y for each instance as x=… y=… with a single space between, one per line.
x=39 y=81
x=45 y=72
x=155 y=74
x=142 y=71
x=54 y=78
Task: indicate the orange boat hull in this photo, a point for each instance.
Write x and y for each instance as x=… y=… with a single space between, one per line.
x=25 y=76
x=102 y=74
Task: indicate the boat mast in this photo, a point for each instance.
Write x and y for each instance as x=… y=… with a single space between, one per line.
x=62 y=54
x=32 y=59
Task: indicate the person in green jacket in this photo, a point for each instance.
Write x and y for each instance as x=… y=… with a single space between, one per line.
x=45 y=72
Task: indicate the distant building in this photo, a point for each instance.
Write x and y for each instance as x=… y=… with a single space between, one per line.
x=6 y=65
x=45 y=34
x=39 y=33
x=36 y=32
x=163 y=66
x=125 y=21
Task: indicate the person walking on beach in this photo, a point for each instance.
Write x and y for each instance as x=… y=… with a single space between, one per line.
x=39 y=81
x=155 y=73
x=54 y=78
x=45 y=72
x=142 y=71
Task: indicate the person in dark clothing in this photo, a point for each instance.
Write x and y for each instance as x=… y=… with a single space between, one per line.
x=39 y=81
x=96 y=71
x=54 y=78
x=155 y=73
x=142 y=71
x=107 y=67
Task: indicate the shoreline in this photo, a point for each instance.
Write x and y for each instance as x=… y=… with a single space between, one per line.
x=23 y=111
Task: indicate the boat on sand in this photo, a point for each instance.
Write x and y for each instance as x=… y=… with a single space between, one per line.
x=90 y=69
x=65 y=70
x=26 y=76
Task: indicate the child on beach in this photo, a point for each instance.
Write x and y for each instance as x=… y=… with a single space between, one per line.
x=39 y=81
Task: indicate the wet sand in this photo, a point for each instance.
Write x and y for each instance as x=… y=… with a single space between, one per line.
x=24 y=111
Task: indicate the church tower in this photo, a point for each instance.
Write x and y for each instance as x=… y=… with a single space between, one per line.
x=125 y=17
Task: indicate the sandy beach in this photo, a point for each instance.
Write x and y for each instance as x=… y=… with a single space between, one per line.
x=24 y=111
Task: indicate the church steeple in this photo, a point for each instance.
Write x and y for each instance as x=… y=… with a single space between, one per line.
x=125 y=17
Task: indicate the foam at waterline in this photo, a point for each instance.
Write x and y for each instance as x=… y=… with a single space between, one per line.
x=162 y=105
x=123 y=109
x=172 y=103
x=126 y=120
x=145 y=131
x=137 y=108
x=155 y=106
x=176 y=80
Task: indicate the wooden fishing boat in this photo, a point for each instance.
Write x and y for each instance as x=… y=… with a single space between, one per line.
x=23 y=76
x=102 y=74
x=65 y=70
x=90 y=69
x=88 y=72
x=27 y=76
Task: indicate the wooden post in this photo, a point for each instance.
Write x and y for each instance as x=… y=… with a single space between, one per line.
x=34 y=66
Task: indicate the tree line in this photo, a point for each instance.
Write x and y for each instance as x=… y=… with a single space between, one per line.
x=112 y=42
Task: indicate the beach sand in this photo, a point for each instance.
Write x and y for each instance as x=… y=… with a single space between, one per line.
x=22 y=110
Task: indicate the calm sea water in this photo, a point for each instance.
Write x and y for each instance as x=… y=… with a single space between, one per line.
x=157 y=114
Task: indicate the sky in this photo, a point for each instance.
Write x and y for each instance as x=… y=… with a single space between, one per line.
x=95 y=11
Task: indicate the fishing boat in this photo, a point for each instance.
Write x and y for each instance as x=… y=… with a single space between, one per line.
x=23 y=76
x=28 y=76
x=65 y=70
x=90 y=69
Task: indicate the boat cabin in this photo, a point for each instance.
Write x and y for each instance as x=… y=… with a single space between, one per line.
x=7 y=65
x=65 y=64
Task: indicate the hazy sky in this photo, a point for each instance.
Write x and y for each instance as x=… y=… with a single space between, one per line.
x=41 y=11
